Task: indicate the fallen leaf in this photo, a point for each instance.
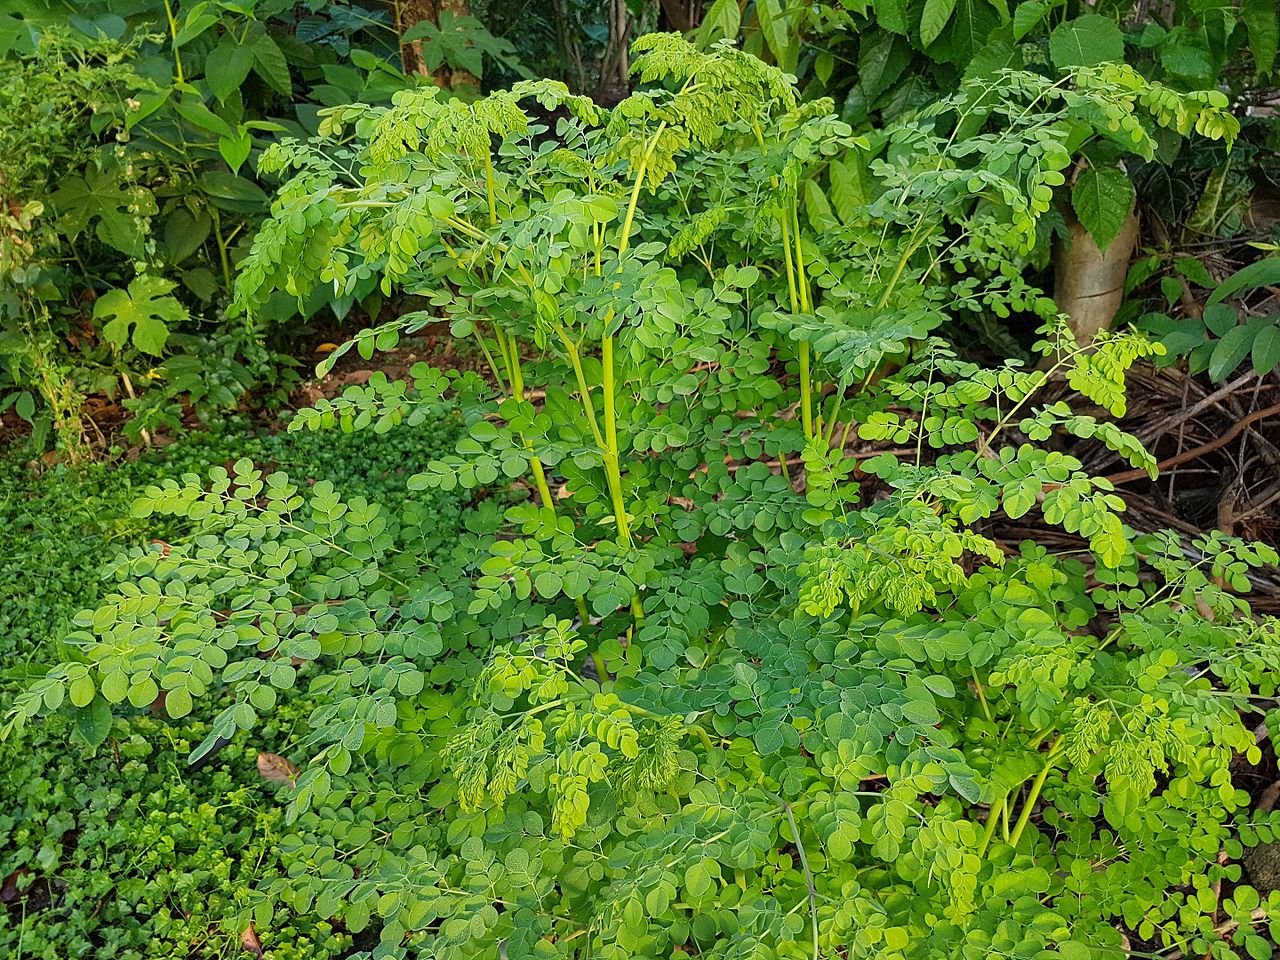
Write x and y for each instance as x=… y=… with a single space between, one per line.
x=326 y=348
x=248 y=938
x=9 y=892
x=277 y=769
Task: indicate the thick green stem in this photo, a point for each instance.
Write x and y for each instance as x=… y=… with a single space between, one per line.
x=993 y=818
x=624 y=237
x=489 y=189
x=806 y=392
x=611 y=462
x=575 y=359
x=835 y=414
x=613 y=468
x=806 y=306
x=602 y=671
x=517 y=389
x=1034 y=794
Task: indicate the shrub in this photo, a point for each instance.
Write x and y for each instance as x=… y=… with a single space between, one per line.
x=691 y=697
x=129 y=195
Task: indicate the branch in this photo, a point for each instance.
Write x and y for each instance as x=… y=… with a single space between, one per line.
x=1194 y=454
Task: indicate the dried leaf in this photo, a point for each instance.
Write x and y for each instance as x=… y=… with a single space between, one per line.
x=9 y=892
x=248 y=938
x=277 y=769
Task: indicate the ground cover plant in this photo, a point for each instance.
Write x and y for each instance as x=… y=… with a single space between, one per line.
x=716 y=684
x=125 y=851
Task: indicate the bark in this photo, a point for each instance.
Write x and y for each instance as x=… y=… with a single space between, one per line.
x=1088 y=283
x=570 y=49
x=615 y=67
x=682 y=15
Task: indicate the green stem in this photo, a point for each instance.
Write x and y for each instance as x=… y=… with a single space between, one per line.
x=223 y=258
x=897 y=274
x=173 y=36
x=601 y=669
x=808 y=877
x=624 y=238
x=1004 y=421
x=982 y=697
x=612 y=467
x=1034 y=794
x=806 y=392
x=802 y=279
x=493 y=366
x=470 y=229
x=608 y=450
x=993 y=817
x=517 y=390
x=835 y=415
x=575 y=359
x=489 y=189
x=802 y=289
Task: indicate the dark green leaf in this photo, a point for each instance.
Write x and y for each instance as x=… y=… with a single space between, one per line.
x=934 y=18
x=1260 y=274
x=1266 y=349
x=93 y=723
x=1102 y=199
x=1085 y=42
x=1263 y=24
x=1229 y=352
x=227 y=66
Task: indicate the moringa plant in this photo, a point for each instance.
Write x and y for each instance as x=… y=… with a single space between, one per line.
x=690 y=695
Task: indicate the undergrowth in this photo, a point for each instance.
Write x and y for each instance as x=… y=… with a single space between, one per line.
x=126 y=852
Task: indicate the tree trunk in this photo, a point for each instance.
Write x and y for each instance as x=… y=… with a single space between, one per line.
x=1089 y=284
x=615 y=68
x=407 y=13
x=682 y=15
